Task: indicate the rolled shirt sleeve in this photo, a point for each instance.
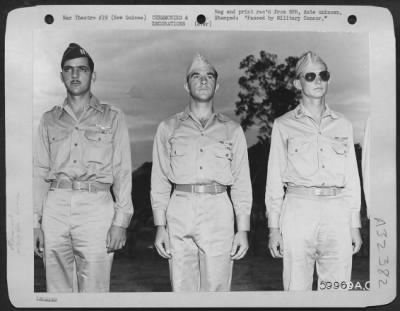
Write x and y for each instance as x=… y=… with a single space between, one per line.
x=122 y=174
x=275 y=186
x=41 y=168
x=241 y=192
x=160 y=185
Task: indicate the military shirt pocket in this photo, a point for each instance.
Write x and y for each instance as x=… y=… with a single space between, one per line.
x=301 y=156
x=178 y=150
x=57 y=135
x=98 y=137
x=59 y=143
x=297 y=146
x=98 y=146
x=181 y=160
x=222 y=154
x=340 y=149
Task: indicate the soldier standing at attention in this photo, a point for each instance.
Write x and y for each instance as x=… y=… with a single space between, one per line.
x=82 y=149
x=312 y=157
x=198 y=154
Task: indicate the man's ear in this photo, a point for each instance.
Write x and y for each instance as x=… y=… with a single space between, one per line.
x=297 y=84
x=93 y=76
x=186 y=86
x=216 y=87
x=61 y=77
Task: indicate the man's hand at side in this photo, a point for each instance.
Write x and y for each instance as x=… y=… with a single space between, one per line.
x=116 y=238
x=38 y=241
x=275 y=243
x=240 y=245
x=162 y=242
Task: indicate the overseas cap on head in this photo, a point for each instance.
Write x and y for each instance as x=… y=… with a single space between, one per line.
x=75 y=51
x=200 y=62
x=307 y=58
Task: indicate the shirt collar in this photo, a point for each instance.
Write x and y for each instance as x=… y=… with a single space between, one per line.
x=330 y=112
x=301 y=111
x=93 y=103
x=186 y=114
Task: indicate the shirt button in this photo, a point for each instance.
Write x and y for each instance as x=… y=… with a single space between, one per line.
x=323 y=166
x=201 y=149
x=322 y=149
x=99 y=139
x=295 y=150
x=323 y=184
x=77 y=128
x=74 y=161
x=201 y=167
x=75 y=144
x=202 y=134
x=320 y=132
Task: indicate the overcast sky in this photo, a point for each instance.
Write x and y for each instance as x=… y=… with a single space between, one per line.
x=143 y=72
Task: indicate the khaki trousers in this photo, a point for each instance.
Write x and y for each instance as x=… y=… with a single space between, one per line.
x=75 y=226
x=201 y=231
x=315 y=230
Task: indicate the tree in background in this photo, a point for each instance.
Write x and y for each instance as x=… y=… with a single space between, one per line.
x=266 y=92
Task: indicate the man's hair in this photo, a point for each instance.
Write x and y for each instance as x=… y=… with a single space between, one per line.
x=305 y=59
x=214 y=71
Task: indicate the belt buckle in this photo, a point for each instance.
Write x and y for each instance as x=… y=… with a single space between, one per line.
x=199 y=188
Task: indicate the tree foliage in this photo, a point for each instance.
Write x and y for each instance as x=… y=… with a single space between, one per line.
x=266 y=91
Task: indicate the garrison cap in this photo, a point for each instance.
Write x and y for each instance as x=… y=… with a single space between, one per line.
x=199 y=61
x=74 y=50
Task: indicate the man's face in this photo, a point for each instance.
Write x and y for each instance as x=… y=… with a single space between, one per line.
x=317 y=88
x=77 y=76
x=202 y=84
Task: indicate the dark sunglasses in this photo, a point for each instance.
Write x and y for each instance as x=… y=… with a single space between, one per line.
x=310 y=76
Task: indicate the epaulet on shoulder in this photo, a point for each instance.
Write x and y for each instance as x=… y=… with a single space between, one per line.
x=342 y=116
x=171 y=121
x=231 y=124
x=285 y=116
x=54 y=111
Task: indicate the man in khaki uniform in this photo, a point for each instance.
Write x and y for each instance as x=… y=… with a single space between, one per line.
x=199 y=154
x=82 y=149
x=313 y=188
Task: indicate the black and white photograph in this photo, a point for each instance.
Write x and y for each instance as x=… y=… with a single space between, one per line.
x=180 y=160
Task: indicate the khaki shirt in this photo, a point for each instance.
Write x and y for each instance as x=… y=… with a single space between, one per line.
x=94 y=148
x=304 y=153
x=186 y=153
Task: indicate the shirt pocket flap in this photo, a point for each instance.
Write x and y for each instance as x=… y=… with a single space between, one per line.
x=298 y=146
x=178 y=150
x=98 y=136
x=223 y=152
x=57 y=135
x=339 y=147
